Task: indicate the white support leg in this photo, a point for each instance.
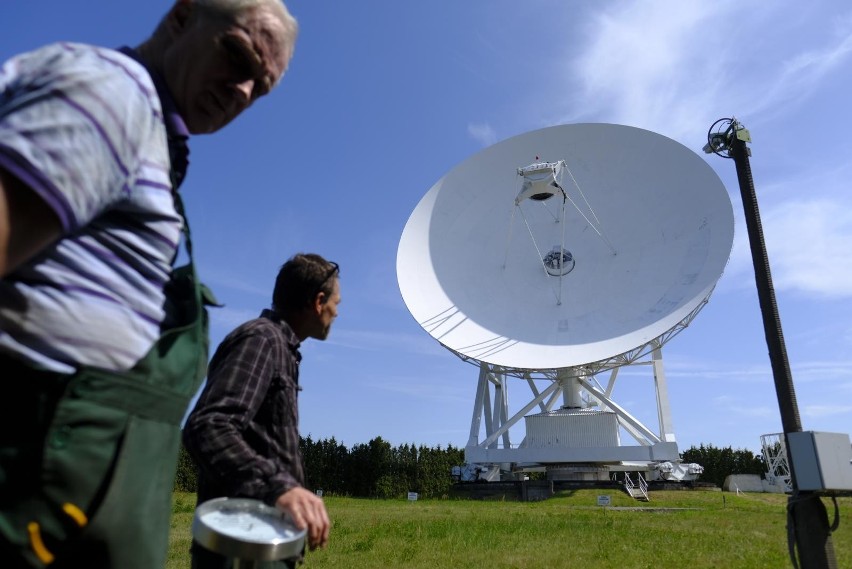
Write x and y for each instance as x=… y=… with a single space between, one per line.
x=664 y=411
x=479 y=405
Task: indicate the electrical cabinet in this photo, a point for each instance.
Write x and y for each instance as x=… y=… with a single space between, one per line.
x=821 y=461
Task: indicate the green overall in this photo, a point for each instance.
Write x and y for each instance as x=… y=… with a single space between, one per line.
x=87 y=461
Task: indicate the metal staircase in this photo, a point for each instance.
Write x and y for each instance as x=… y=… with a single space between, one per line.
x=637 y=491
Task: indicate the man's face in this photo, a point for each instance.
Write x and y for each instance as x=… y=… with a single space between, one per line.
x=327 y=312
x=215 y=69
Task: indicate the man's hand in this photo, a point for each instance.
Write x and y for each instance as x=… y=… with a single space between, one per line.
x=307 y=511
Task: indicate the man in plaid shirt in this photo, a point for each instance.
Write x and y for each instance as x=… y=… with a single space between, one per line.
x=243 y=432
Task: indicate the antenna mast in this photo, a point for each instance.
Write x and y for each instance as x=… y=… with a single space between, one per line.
x=807 y=523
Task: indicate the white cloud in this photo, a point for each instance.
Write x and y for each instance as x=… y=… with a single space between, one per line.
x=797 y=77
x=392 y=342
x=838 y=372
x=754 y=411
x=482 y=133
x=675 y=67
x=415 y=389
x=656 y=65
x=743 y=413
x=225 y=279
x=807 y=227
x=755 y=373
x=227 y=319
x=811 y=246
x=818 y=411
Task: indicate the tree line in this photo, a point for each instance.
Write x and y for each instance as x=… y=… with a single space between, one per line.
x=379 y=470
x=718 y=463
x=372 y=470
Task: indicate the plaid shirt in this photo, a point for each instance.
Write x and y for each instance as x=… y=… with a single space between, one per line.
x=243 y=433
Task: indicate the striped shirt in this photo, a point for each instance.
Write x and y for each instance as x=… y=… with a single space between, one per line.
x=244 y=430
x=83 y=127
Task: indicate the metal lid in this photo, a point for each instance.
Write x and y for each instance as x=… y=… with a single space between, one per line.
x=243 y=528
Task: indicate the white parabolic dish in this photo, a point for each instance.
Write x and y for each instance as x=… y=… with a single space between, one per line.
x=480 y=290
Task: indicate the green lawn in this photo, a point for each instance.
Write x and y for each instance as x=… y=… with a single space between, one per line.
x=696 y=529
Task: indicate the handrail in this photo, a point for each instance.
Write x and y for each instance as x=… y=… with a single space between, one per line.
x=628 y=484
x=643 y=486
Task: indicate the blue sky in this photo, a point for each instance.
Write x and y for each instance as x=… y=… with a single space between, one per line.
x=383 y=98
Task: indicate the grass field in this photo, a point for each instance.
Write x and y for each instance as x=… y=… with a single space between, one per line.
x=695 y=529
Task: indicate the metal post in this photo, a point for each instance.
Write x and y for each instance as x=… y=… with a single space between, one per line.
x=808 y=530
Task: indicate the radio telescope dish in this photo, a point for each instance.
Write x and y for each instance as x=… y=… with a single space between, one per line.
x=565 y=246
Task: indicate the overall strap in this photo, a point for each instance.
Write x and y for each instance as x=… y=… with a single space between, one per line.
x=185 y=227
x=178 y=152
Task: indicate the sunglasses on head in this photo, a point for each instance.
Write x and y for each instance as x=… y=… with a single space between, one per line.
x=334 y=270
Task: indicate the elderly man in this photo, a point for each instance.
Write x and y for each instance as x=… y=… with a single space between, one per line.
x=102 y=342
x=244 y=430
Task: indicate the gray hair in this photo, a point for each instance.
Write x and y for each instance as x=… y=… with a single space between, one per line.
x=233 y=8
